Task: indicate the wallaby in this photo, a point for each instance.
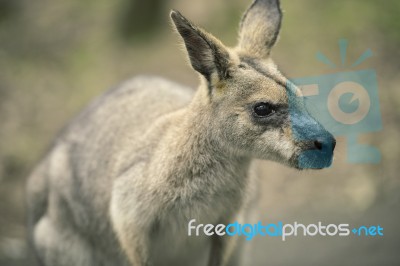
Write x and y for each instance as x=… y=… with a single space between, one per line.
x=122 y=181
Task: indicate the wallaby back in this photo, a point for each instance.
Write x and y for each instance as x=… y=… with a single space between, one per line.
x=71 y=188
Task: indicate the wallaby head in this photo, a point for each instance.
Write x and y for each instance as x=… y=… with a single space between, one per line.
x=252 y=108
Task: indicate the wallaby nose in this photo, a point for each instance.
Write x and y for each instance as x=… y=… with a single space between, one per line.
x=325 y=144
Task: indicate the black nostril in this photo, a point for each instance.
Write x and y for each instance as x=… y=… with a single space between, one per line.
x=318 y=144
x=324 y=145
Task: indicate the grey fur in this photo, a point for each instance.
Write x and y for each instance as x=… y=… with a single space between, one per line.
x=123 y=180
x=260 y=27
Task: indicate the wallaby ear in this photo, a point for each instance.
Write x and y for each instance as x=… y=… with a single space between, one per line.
x=260 y=27
x=206 y=53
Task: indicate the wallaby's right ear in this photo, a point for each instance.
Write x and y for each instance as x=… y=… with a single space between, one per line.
x=260 y=27
x=207 y=54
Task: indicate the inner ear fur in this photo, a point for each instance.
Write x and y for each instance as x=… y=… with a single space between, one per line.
x=206 y=53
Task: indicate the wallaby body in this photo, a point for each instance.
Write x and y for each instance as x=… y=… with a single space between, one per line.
x=123 y=180
x=65 y=199
x=72 y=211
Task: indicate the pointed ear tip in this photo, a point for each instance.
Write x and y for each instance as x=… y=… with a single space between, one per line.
x=178 y=19
x=172 y=13
x=175 y=15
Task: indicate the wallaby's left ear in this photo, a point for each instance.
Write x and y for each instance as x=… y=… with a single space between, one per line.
x=260 y=27
x=207 y=54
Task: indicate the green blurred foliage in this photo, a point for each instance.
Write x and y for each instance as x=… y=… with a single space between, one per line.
x=139 y=20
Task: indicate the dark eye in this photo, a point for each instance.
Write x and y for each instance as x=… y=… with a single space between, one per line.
x=263 y=109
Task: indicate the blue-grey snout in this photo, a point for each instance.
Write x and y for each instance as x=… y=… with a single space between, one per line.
x=315 y=142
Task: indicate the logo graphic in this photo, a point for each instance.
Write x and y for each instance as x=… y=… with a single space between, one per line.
x=345 y=103
x=282 y=230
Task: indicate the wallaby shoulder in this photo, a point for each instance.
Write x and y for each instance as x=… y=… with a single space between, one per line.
x=136 y=102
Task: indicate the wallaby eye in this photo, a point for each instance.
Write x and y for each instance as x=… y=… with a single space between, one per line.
x=263 y=109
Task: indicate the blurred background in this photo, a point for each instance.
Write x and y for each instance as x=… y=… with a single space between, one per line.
x=55 y=56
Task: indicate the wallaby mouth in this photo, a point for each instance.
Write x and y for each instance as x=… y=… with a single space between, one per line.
x=316 y=154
